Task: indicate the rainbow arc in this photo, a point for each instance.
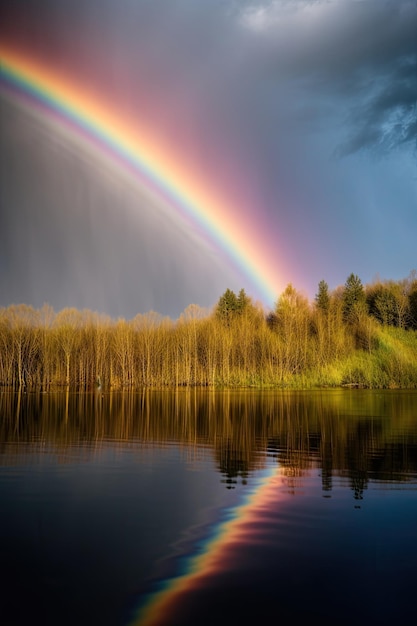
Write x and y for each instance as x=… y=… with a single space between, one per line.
x=158 y=172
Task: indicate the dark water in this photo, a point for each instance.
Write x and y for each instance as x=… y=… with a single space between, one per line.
x=208 y=508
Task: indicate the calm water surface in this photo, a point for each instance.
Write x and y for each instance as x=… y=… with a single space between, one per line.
x=208 y=508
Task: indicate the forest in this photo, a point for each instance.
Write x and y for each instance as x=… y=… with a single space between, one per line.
x=354 y=336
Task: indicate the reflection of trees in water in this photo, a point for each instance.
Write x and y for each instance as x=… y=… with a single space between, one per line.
x=231 y=463
x=362 y=440
x=353 y=434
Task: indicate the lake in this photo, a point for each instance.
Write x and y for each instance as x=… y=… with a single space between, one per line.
x=209 y=508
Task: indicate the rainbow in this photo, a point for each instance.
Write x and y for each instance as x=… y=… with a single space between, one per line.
x=156 y=170
x=235 y=531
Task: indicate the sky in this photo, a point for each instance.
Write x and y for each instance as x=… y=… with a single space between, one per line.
x=290 y=124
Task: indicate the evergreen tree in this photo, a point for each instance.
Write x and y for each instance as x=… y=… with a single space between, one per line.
x=354 y=299
x=231 y=305
x=227 y=306
x=243 y=301
x=322 y=297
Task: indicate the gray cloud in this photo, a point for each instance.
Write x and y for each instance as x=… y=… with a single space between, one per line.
x=388 y=117
x=363 y=55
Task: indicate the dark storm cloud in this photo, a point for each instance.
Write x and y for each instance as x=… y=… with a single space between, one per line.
x=357 y=58
x=389 y=117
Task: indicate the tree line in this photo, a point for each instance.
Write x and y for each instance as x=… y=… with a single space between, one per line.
x=354 y=335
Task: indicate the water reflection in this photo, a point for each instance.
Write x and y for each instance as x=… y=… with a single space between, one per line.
x=356 y=435
x=134 y=508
